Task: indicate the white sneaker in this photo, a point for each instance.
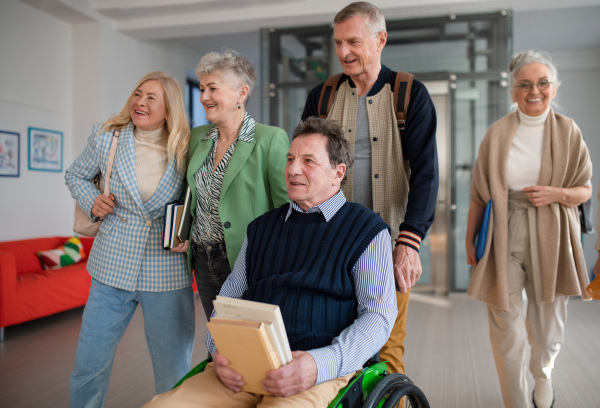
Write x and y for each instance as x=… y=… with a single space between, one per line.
x=543 y=393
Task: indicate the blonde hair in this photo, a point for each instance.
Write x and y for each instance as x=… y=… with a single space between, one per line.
x=177 y=127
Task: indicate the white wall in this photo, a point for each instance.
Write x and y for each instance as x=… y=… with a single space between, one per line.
x=64 y=77
x=34 y=91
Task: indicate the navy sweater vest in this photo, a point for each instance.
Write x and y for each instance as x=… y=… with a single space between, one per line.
x=305 y=264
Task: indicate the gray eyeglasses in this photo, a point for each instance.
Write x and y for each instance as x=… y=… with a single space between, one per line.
x=528 y=86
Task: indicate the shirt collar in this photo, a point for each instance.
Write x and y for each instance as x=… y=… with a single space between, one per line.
x=246 y=132
x=328 y=208
x=384 y=77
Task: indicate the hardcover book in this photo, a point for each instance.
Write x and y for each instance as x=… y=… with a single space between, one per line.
x=251 y=335
x=483 y=230
x=248 y=347
x=185 y=225
x=169 y=222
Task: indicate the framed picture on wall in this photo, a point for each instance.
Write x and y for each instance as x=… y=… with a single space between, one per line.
x=9 y=153
x=45 y=149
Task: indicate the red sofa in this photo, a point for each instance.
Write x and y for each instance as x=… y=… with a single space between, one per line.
x=28 y=292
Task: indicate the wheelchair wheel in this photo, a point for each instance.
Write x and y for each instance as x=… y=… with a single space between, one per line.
x=388 y=392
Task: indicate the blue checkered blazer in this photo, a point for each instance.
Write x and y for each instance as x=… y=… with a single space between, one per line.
x=128 y=252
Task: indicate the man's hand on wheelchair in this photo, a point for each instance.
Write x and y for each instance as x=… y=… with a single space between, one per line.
x=232 y=379
x=297 y=376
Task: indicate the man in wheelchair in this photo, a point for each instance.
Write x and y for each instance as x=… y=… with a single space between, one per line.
x=327 y=263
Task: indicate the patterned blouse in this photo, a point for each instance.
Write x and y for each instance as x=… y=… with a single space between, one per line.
x=207 y=226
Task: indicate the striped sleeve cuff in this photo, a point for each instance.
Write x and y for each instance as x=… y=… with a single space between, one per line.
x=409 y=239
x=327 y=359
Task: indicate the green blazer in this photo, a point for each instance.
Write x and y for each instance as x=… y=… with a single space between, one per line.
x=254 y=181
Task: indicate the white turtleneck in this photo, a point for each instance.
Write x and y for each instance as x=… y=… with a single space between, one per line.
x=525 y=157
x=150 y=160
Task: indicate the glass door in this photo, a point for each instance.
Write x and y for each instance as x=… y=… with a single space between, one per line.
x=434 y=248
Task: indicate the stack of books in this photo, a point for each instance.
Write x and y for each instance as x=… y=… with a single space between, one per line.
x=178 y=221
x=251 y=335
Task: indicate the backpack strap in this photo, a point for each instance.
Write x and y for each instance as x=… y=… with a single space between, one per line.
x=111 y=159
x=327 y=95
x=402 y=88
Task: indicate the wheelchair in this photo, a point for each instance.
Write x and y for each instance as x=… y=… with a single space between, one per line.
x=371 y=387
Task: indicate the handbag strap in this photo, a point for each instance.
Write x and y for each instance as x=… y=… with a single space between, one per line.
x=111 y=159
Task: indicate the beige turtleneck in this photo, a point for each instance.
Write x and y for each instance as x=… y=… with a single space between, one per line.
x=150 y=160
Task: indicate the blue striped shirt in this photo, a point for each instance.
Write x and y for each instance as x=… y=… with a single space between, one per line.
x=375 y=293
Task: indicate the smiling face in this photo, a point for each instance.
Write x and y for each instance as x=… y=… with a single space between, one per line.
x=309 y=177
x=221 y=96
x=533 y=102
x=358 y=51
x=147 y=106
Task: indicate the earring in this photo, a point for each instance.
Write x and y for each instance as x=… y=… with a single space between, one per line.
x=239 y=107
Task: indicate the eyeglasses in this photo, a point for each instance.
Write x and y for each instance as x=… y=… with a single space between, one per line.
x=528 y=86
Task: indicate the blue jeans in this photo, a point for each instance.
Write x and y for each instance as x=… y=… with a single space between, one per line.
x=169 y=328
x=211 y=269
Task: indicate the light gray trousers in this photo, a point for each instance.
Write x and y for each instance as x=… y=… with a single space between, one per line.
x=539 y=324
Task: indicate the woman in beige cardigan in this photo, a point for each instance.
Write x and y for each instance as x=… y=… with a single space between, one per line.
x=535 y=167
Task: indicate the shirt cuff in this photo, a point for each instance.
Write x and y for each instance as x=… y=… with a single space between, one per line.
x=409 y=239
x=327 y=359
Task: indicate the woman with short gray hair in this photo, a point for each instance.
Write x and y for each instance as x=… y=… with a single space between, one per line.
x=235 y=171
x=231 y=65
x=534 y=167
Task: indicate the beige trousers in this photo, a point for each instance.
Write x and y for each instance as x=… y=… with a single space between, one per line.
x=207 y=391
x=539 y=324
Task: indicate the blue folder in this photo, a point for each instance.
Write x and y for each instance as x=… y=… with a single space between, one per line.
x=483 y=231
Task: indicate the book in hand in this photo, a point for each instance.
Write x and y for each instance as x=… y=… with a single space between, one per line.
x=483 y=229
x=170 y=222
x=247 y=346
x=251 y=335
x=232 y=308
x=177 y=214
x=185 y=225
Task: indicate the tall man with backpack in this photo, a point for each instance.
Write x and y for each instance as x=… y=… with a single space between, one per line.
x=390 y=122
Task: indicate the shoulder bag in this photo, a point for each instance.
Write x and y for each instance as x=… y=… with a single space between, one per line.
x=83 y=224
x=586 y=217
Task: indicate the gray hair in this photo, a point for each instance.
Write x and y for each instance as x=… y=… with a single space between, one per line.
x=373 y=16
x=521 y=59
x=338 y=148
x=228 y=62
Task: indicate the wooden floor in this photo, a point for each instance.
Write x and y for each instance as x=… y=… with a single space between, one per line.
x=448 y=355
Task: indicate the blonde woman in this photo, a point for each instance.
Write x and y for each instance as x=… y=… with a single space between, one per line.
x=127 y=263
